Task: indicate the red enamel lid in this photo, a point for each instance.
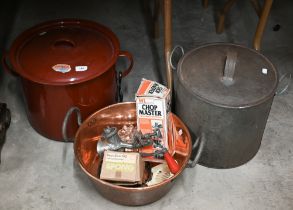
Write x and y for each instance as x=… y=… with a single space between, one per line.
x=64 y=52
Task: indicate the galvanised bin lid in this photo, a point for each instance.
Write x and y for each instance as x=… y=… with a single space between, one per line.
x=228 y=75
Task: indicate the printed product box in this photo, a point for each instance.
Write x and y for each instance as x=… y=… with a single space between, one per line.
x=153 y=109
x=122 y=167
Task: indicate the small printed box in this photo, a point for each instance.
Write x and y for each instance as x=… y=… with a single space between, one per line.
x=153 y=108
x=122 y=167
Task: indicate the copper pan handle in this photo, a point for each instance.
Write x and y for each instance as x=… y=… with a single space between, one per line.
x=199 y=143
x=5 y=65
x=66 y=119
x=284 y=82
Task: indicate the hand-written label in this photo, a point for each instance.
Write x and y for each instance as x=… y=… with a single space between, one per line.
x=80 y=68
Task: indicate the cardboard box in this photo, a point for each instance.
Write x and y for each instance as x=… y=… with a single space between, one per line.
x=122 y=167
x=153 y=109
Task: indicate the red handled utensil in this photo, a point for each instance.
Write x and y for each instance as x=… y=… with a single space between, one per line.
x=164 y=154
x=172 y=164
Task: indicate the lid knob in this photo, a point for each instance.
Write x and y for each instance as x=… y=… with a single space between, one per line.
x=229 y=68
x=64 y=43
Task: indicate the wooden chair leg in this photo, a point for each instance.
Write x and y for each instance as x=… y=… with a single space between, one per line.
x=205 y=3
x=257 y=7
x=262 y=24
x=223 y=12
x=152 y=10
x=168 y=41
x=156 y=24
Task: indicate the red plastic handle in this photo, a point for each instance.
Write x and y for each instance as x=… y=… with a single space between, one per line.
x=130 y=58
x=172 y=164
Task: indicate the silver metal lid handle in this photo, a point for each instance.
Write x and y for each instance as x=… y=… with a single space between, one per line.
x=229 y=70
x=172 y=53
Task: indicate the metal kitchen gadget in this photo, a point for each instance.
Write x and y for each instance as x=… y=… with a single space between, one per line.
x=110 y=140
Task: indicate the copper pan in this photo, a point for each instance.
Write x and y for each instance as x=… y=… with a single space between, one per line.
x=85 y=152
